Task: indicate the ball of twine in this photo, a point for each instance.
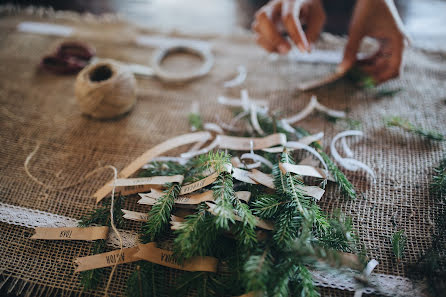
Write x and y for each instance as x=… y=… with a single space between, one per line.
x=105 y=90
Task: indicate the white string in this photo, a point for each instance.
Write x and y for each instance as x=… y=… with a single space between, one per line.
x=239 y=79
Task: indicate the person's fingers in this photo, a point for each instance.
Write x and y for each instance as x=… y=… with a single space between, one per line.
x=357 y=31
x=315 y=21
x=394 y=62
x=265 y=44
x=265 y=27
x=374 y=68
x=290 y=19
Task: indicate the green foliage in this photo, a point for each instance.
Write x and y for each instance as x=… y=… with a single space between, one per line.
x=197 y=235
x=195 y=121
x=360 y=78
x=409 y=127
x=159 y=215
x=438 y=184
x=216 y=160
x=90 y=279
x=162 y=169
x=101 y=215
x=338 y=234
x=148 y=280
x=398 y=241
x=258 y=269
x=387 y=93
x=203 y=284
x=303 y=285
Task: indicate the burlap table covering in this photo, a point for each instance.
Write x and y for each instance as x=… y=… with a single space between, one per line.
x=40 y=107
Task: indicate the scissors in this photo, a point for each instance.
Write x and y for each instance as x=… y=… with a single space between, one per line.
x=72 y=56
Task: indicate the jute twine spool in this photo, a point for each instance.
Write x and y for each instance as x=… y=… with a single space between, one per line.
x=105 y=90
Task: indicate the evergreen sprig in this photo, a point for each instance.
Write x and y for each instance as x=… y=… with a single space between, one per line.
x=159 y=215
x=148 y=280
x=100 y=216
x=438 y=184
x=408 y=126
x=398 y=241
x=195 y=121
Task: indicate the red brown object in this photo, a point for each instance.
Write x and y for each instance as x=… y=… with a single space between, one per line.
x=69 y=58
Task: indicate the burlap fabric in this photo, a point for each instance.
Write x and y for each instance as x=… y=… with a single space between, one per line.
x=40 y=107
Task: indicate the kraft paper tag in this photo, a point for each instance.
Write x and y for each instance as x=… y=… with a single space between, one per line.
x=153 y=180
x=262 y=178
x=259 y=222
x=71 y=233
x=108 y=259
x=150 y=155
x=128 y=190
x=268 y=181
x=135 y=216
x=319 y=82
x=151 y=253
x=242 y=175
x=302 y=170
x=244 y=143
x=192 y=199
x=186 y=189
x=312 y=191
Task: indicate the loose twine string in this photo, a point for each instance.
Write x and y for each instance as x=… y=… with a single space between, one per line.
x=84 y=178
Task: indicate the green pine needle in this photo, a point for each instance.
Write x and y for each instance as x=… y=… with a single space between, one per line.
x=398 y=241
x=438 y=184
x=159 y=215
x=195 y=121
x=409 y=127
x=148 y=280
x=90 y=279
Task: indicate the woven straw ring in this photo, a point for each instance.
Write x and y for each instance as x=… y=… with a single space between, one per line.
x=204 y=53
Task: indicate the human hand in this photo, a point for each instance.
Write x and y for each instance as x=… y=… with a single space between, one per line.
x=378 y=19
x=289 y=15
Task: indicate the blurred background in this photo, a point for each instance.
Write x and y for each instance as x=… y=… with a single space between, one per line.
x=424 y=19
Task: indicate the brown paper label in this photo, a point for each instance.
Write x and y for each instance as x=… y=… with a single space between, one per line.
x=135 y=216
x=108 y=259
x=242 y=175
x=71 y=233
x=151 y=154
x=244 y=143
x=259 y=222
x=151 y=253
x=312 y=191
x=186 y=189
x=153 y=180
x=128 y=190
x=193 y=199
x=319 y=82
x=303 y=170
x=262 y=178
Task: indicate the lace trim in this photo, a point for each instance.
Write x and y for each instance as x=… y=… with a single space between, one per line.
x=388 y=285
x=32 y=218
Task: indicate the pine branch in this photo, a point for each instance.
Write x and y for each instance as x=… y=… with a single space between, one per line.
x=406 y=125
x=203 y=284
x=196 y=235
x=303 y=285
x=398 y=241
x=101 y=216
x=223 y=195
x=148 y=280
x=258 y=269
x=195 y=121
x=267 y=206
x=339 y=234
x=438 y=184
x=168 y=168
x=159 y=215
x=90 y=279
